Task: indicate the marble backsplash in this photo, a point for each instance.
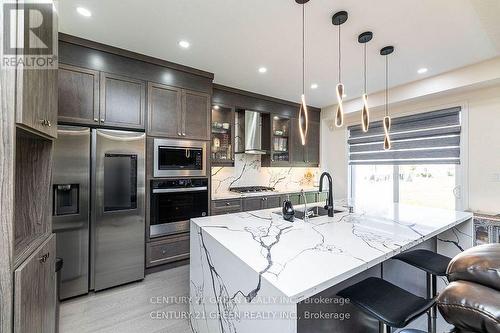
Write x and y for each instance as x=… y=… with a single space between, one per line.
x=248 y=172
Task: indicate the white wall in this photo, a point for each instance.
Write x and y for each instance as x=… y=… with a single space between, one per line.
x=482 y=156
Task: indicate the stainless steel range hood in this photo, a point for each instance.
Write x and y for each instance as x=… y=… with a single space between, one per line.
x=249 y=133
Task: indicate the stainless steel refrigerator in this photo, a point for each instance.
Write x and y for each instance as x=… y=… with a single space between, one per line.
x=98 y=207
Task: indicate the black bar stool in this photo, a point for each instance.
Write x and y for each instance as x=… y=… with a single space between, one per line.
x=434 y=264
x=390 y=304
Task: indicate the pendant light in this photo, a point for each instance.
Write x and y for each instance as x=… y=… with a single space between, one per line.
x=385 y=51
x=364 y=38
x=338 y=19
x=303 y=114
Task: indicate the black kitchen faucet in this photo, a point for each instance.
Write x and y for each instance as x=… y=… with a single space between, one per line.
x=329 y=203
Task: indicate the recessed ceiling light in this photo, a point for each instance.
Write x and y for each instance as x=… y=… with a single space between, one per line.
x=184 y=44
x=314 y=86
x=216 y=107
x=84 y=12
x=276 y=118
x=422 y=70
x=262 y=70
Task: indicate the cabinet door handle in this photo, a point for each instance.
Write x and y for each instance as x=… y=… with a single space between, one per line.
x=227 y=203
x=96 y=120
x=184 y=134
x=102 y=120
x=43 y=259
x=48 y=123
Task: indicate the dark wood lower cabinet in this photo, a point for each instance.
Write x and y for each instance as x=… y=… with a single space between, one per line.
x=273 y=202
x=253 y=203
x=34 y=291
x=167 y=249
x=230 y=206
x=220 y=207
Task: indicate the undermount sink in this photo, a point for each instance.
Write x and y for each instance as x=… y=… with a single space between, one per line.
x=313 y=212
x=316 y=211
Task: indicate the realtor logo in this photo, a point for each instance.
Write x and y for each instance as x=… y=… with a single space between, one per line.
x=28 y=35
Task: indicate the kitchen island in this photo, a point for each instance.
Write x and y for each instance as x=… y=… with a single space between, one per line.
x=256 y=272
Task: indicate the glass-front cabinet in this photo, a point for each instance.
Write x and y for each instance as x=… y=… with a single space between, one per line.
x=279 y=154
x=222 y=152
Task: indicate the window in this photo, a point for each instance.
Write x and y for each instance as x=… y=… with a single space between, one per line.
x=428 y=185
x=373 y=183
x=422 y=168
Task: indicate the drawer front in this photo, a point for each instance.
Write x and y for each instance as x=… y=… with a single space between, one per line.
x=217 y=204
x=253 y=203
x=222 y=211
x=167 y=250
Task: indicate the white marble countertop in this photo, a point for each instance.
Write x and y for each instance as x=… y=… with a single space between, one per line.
x=302 y=259
x=234 y=195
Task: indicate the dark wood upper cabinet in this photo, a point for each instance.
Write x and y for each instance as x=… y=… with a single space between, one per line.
x=313 y=144
x=279 y=142
x=164 y=110
x=36 y=89
x=307 y=155
x=122 y=101
x=222 y=128
x=178 y=113
x=298 y=150
x=196 y=115
x=78 y=95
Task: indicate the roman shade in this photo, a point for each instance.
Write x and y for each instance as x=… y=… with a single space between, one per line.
x=425 y=138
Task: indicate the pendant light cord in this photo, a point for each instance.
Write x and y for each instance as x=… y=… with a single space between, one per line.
x=365 y=68
x=303 y=49
x=386 y=85
x=340 y=59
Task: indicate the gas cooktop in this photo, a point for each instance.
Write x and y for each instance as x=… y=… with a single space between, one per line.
x=251 y=189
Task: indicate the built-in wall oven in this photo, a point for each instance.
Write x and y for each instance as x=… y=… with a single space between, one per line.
x=179 y=158
x=174 y=202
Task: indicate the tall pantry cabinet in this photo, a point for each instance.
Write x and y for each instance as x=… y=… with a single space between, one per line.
x=28 y=126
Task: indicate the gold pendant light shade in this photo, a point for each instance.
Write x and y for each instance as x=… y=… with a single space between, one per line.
x=387 y=129
x=365 y=114
x=339 y=115
x=303 y=120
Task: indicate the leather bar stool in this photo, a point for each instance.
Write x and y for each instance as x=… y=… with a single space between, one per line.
x=390 y=304
x=434 y=264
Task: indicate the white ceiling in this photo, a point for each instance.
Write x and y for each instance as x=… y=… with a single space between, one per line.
x=233 y=38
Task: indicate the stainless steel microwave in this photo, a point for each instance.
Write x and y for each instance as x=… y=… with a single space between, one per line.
x=174 y=158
